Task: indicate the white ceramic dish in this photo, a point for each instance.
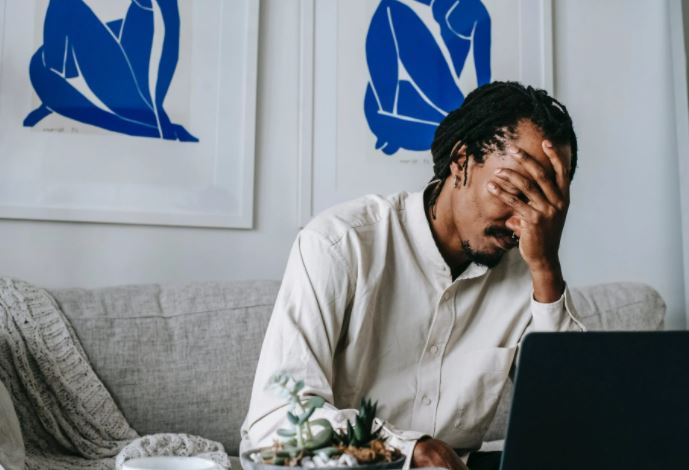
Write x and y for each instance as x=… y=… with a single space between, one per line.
x=169 y=463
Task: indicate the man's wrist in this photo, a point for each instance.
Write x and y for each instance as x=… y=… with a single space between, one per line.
x=548 y=283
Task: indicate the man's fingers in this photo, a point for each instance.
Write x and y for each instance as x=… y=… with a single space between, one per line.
x=435 y=453
x=562 y=176
x=510 y=188
x=542 y=176
x=526 y=212
x=527 y=188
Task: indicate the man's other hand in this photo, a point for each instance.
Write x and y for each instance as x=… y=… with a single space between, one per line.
x=431 y=452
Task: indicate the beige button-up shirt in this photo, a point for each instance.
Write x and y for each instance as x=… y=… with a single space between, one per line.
x=368 y=308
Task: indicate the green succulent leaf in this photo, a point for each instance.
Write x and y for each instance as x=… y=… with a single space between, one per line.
x=321 y=439
x=349 y=437
x=314 y=402
x=292 y=418
x=298 y=386
x=322 y=422
x=360 y=433
x=303 y=418
x=286 y=432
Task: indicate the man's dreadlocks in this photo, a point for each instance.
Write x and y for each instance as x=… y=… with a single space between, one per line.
x=490 y=115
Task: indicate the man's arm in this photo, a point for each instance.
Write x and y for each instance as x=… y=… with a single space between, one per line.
x=539 y=221
x=302 y=334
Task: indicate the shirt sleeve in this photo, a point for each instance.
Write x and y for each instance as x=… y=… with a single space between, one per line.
x=556 y=316
x=301 y=338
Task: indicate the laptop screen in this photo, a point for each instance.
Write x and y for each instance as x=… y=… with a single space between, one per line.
x=603 y=400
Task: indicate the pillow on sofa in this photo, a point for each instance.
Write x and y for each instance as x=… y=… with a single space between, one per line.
x=11 y=443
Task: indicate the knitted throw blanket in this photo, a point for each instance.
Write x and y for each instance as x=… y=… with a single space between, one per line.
x=68 y=418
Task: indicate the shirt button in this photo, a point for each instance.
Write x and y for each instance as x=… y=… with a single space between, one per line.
x=445 y=297
x=434 y=349
x=426 y=401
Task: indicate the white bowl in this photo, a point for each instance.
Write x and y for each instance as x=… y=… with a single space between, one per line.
x=169 y=463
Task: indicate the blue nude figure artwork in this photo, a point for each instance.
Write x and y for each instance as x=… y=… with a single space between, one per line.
x=413 y=85
x=114 y=59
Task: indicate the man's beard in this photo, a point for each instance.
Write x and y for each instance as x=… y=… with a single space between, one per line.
x=490 y=259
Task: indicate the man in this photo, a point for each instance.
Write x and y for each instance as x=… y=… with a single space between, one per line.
x=420 y=300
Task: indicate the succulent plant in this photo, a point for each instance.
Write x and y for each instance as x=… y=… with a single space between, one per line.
x=315 y=440
x=361 y=433
x=304 y=436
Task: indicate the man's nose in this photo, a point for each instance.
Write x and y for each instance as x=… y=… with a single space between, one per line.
x=512 y=221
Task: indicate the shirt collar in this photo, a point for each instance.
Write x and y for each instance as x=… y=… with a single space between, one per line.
x=422 y=236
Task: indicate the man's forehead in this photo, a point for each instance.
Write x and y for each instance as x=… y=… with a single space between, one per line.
x=529 y=139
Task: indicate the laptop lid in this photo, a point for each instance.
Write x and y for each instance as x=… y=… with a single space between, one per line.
x=604 y=400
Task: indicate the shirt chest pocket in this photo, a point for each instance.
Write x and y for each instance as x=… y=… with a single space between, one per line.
x=482 y=375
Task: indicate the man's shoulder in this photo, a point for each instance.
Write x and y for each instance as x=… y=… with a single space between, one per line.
x=366 y=211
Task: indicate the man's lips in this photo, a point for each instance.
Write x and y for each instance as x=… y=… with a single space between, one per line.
x=507 y=242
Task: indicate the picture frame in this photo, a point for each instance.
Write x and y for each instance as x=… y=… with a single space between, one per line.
x=331 y=169
x=64 y=163
x=679 y=38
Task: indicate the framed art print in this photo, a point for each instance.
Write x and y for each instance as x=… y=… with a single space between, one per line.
x=128 y=111
x=384 y=73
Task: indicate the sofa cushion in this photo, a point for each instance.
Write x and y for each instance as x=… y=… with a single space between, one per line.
x=175 y=358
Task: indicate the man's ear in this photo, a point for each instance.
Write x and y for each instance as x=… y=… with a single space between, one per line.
x=459 y=159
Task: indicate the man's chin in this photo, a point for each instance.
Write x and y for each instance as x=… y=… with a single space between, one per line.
x=489 y=259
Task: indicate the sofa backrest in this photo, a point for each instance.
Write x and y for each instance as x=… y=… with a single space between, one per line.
x=176 y=358
x=181 y=358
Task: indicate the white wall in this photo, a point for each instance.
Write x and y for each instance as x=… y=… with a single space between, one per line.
x=612 y=69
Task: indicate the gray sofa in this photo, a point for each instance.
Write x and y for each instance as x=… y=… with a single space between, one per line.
x=182 y=358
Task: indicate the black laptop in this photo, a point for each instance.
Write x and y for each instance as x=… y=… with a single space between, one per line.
x=600 y=401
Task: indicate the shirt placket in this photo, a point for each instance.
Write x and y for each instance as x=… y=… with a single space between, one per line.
x=430 y=366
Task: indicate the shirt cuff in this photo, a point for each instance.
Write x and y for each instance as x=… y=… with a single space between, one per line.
x=552 y=308
x=555 y=316
x=405 y=441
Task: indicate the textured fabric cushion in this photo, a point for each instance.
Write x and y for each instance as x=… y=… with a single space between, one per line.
x=175 y=358
x=11 y=443
x=615 y=306
x=620 y=306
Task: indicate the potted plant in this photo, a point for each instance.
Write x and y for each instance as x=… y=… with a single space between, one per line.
x=308 y=443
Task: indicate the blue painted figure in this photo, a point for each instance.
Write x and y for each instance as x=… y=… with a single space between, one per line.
x=114 y=60
x=403 y=109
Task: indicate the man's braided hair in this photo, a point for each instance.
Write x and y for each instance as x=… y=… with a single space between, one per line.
x=490 y=115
